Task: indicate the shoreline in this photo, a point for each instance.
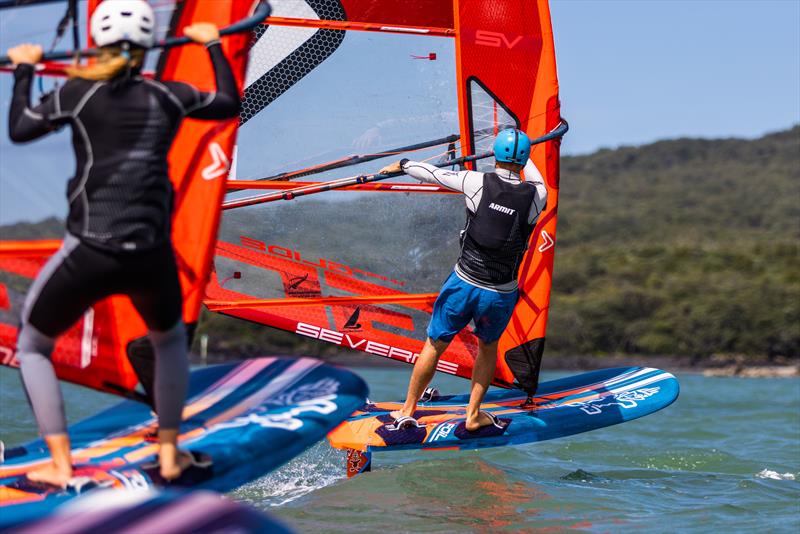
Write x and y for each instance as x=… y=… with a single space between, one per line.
x=713 y=366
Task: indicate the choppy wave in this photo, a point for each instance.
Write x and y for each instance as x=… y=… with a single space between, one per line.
x=317 y=468
x=774 y=475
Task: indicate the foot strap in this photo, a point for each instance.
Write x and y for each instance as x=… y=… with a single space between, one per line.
x=403 y=422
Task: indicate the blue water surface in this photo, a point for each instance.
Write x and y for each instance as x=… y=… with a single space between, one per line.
x=724 y=457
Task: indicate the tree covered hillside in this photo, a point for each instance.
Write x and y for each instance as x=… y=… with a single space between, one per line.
x=688 y=247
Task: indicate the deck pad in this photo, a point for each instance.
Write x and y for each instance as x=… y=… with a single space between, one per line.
x=560 y=408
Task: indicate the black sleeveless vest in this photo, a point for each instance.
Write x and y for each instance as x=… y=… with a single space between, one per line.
x=496 y=235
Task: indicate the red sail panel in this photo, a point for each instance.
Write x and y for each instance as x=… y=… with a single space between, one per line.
x=390 y=330
x=417 y=13
x=505 y=50
x=83 y=354
x=429 y=17
x=202 y=152
x=97 y=352
x=346 y=255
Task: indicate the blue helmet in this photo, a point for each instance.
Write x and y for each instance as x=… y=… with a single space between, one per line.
x=512 y=146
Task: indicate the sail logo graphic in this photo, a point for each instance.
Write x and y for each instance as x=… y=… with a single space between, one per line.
x=626 y=400
x=372 y=347
x=293 y=289
x=548 y=243
x=132 y=479
x=295 y=282
x=220 y=164
x=352 y=323
x=496 y=39
x=501 y=209
x=321 y=263
x=442 y=431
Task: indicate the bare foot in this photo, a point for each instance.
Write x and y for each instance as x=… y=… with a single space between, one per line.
x=172 y=468
x=479 y=422
x=400 y=413
x=50 y=474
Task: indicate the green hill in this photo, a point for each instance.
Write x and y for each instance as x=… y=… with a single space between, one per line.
x=688 y=247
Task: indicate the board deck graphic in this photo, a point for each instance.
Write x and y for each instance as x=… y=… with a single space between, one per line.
x=561 y=408
x=249 y=418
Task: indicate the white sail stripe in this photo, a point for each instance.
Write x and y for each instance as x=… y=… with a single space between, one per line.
x=87 y=339
x=404 y=30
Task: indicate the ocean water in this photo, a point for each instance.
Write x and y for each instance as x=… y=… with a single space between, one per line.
x=724 y=457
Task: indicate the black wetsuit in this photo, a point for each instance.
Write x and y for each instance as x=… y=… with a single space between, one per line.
x=118 y=227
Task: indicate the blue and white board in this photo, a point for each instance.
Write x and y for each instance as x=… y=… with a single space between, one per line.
x=151 y=511
x=560 y=408
x=249 y=418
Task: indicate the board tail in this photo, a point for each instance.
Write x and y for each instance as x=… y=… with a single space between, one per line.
x=358 y=462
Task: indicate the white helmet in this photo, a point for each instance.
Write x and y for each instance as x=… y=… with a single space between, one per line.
x=123 y=20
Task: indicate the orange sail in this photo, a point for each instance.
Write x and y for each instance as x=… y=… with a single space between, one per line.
x=108 y=349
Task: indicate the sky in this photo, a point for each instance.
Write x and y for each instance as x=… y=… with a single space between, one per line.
x=630 y=73
x=633 y=72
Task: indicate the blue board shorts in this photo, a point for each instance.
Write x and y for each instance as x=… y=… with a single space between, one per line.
x=460 y=302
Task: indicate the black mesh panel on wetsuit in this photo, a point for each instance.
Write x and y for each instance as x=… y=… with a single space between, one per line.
x=121 y=197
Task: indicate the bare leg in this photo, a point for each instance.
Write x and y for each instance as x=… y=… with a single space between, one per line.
x=482 y=373
x=424 y=369
x=171 y=383
x=59 y=471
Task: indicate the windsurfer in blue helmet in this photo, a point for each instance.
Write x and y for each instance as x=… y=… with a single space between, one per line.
x=502 y=211
x=120 y=204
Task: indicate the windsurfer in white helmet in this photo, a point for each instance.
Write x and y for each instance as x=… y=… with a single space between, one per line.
x=120 y=202
x=502 y=211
